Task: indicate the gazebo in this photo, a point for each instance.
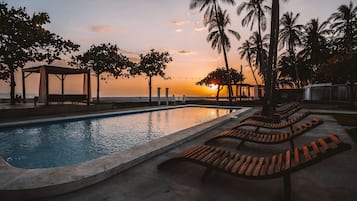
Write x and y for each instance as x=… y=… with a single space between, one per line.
x=60 y=73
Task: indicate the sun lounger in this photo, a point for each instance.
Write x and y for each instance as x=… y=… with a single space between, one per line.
x=276 y=117
x=262 y=124
x=252 y=167
x=265 y=137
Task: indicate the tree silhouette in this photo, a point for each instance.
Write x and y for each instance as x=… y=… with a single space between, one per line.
x=214 y=13
x=255 y=12
x=152 y=64
x=219 y=40
x=344 y=25
x=270 y=74
x=314 y=40
x=219 y=77
x=23 y=39
x=103 y=58
x=289 y=36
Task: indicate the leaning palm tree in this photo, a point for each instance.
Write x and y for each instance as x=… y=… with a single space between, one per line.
x=211 y=13
x=290 y=36
x=257 y=41
x=217 y=28
x=255 y=12
x=210 y=5
x=246 y=51
x=344 y=25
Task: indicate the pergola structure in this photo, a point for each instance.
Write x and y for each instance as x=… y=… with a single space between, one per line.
x=61 y=73
x=242 y=87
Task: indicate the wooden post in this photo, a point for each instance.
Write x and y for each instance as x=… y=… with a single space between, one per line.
x=241 y=82
x=158 y=96
x=23 y=87
x=46 y=87
x=88 y=87
x=62 y=84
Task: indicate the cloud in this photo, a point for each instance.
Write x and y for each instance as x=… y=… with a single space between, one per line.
x=181 y=52
x=101 y=29
x=178 y=30
x=179 y=23
x=198 y=29
x=185 y=52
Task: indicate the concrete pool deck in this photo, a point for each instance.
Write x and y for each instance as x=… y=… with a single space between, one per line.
x=333 y=179
x=329 y=180
x=28 y=184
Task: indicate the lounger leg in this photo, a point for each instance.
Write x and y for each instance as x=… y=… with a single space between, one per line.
x=292 y=144
x=287 y=187
x=292 y=129
x=205 y=174
x=257 y=129
x=240 y=144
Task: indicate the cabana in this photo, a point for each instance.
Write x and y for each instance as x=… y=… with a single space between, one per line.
x=60 y=73
x=248 y=91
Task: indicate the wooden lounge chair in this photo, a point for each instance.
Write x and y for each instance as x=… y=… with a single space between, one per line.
x=265 y=137
x=277 y=116
x=269 y=125
x=252 y=167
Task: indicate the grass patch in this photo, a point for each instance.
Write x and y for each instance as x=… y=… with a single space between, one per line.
x=346 y=119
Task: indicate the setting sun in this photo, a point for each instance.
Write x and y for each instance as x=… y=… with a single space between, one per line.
x=213 y=86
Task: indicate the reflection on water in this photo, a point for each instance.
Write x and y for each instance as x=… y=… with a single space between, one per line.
x=60 y=144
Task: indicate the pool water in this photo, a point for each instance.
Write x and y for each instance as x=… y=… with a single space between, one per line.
x=72 y=142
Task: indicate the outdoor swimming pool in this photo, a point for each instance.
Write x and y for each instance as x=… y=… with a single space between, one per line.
x=72 y=142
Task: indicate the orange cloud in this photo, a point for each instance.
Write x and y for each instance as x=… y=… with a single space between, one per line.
x=184 y=52
x=179 y=23
x=101 y=29
x=180 y=52
x=178 y=30
x=200 y=29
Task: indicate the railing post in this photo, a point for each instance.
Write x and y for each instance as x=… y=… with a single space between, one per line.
x=158 y=96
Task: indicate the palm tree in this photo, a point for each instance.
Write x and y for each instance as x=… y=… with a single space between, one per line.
x=286 y=75
x=246 y=51
x=219 y=77
x=344 y=25
x=255 y=11
x=314 y=43
x=219 y=39
x=272 y=60
x=290 y=37
x=212 y=12
x=256 y=41
x=249 y=51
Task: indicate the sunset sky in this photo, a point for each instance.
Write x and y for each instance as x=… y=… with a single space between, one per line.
x=137 y=26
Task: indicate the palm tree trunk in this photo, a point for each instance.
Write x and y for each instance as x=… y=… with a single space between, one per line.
x=12 y=88
x=98 y=88
x=217 y=95
x=150 y=88
x=268 y=87
x=255 y=78
x=251 y=68
x=261 y=59
x=230 y=91
x=293 y=62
